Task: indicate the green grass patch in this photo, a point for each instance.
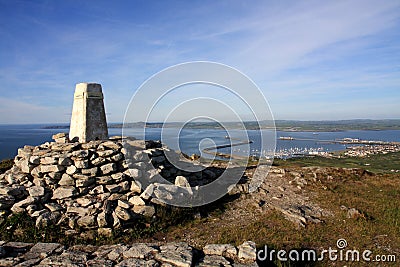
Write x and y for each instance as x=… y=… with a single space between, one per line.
x=382 y=163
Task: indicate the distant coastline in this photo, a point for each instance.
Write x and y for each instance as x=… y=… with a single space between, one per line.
x=281 y=125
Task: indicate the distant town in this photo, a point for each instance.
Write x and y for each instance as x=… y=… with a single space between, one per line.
x=280 y=125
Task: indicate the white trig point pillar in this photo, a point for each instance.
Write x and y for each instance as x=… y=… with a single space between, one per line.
x=88 y=121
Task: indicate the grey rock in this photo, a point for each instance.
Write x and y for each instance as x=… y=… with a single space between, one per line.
x=55 y=175
x=37 y=213
x=49 y=160
x=84 y=181
x=141 y=156
x=102 y=220
x=118 y=177
x=104 y=180
x=81 y=154
x=69 y=147
x=116 y=223
x=42 y=250
x=133 y=173
x=31 y=208
x=353 y=213
x=108 y=168
x=12 y=191
x=162 y=194
x=116 y=253
x=135 y=144
x=122 y=213
x=113 y=188
x=179 y=254
x=36 y=171
x=6 y=202
x=53 y=207
x=51 y=168
x=81 y=211
x=17 y=247
x=64 y=192
x=111 y=145
x=213 y=261
x=106 y=153
x=146 y=210
x=24 y=165
x=84 y=202
x=27 y=263
x=136 y=187
x=225 y=250
x=140 y=165
x=71 y=170
x=116 y=196
x=182 y=181
x=247 y=252
x=91 y=145
x=97 y=190
x=137 y=201
x=36 y=191
x=71 y=259
x=59 y=135
x=63 y=140
x=140 y=251
x=99 y=161
x=34 y=160
x=99 y=262
x=92 y=171
x=66 y=180
x=9 y=261
x=147 y=192
x=25 y=202
x=81 y=164
x=47 y=218
x=124 y=204
x=117 y=157
x=25 y=152
x=125 y=186
x=132 y=262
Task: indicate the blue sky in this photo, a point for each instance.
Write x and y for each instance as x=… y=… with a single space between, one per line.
x=313 y=60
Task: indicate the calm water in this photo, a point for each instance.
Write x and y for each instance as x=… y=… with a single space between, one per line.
x=191 y=140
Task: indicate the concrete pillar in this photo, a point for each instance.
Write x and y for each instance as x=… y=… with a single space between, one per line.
x=88 y=121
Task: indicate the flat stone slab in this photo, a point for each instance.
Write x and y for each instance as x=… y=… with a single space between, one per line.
x=121 y=255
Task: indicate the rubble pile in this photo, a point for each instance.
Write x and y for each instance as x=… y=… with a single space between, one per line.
x=90 y=185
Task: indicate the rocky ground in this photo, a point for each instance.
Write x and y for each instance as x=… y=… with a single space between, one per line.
x=139 y=254
x=89 y=191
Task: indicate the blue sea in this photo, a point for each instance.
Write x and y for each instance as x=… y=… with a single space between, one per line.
x=192 y=141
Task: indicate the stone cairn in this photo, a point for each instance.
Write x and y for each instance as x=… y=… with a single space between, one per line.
x=90 y=186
